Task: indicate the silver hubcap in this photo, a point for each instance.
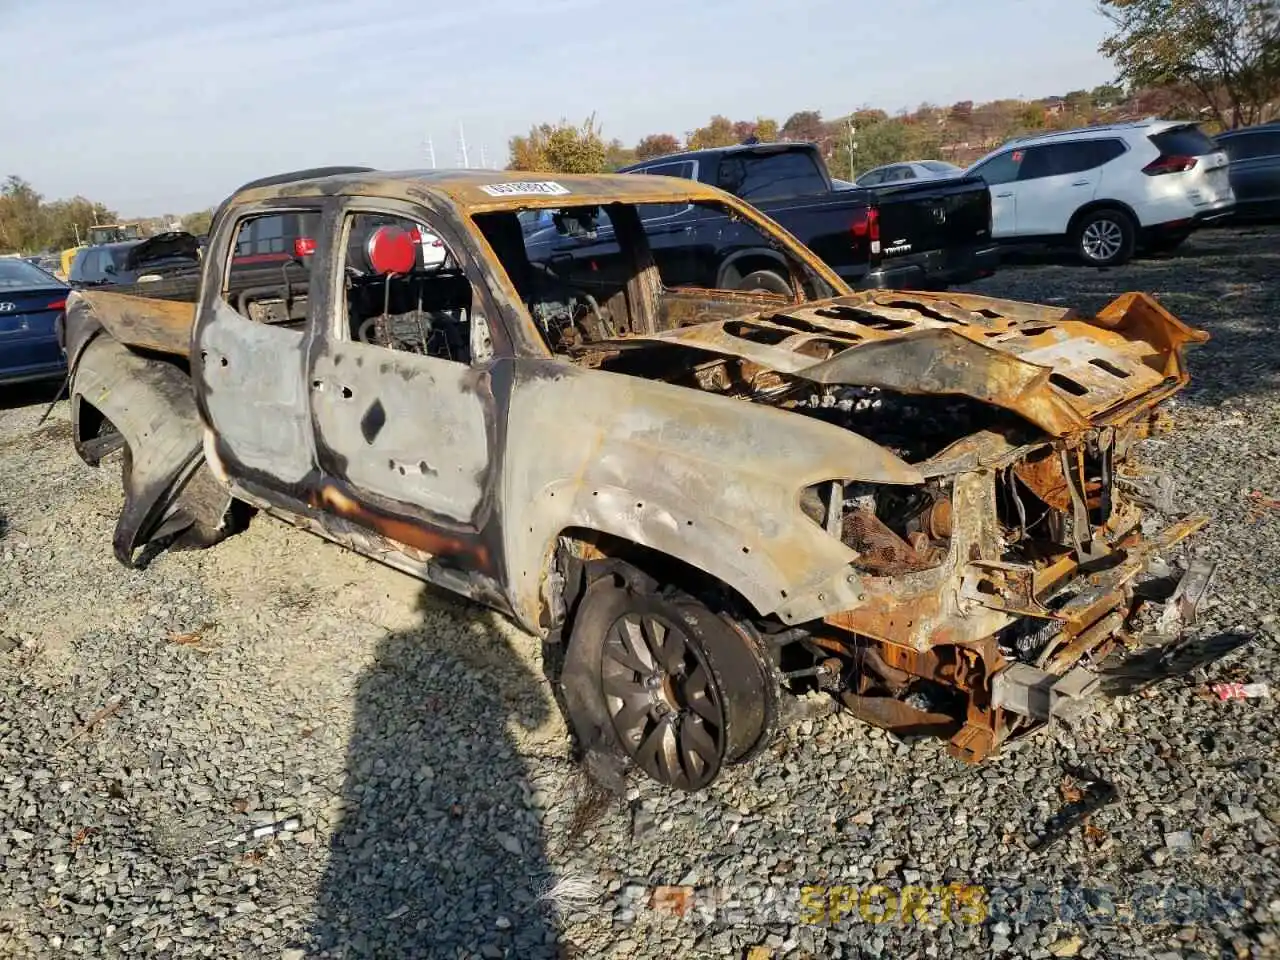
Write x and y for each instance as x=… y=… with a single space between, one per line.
x=1102 y=239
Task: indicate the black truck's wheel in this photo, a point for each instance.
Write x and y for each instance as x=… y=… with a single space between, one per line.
x=765 y=281
x=1105 y=238
x=666 y=682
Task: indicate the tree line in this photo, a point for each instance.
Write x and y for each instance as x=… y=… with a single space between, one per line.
x=30 y=224
x=1216 y=61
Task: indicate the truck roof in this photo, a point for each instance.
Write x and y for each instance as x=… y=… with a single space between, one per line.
x=478 y=191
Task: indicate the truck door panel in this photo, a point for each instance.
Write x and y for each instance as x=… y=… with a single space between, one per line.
x=251 y=367
x=403 y=410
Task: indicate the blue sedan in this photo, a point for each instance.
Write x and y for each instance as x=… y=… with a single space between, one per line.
x=32 y=304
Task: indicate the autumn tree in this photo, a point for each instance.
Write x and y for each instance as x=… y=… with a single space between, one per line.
x=656 y=145
x=1227 y=50
x=763 y=129
x=805 y=126
x=560 y=148
x=527 y=153
x=718 y=133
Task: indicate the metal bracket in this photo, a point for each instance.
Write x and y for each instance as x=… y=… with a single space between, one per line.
x=1023 y=689
x=1192 y=589
x=1009 y=587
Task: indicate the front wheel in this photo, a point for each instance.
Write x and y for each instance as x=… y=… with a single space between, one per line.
x=661 y=679
x=1105 y=238
x=765 y=281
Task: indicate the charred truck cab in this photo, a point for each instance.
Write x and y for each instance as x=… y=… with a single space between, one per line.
x=704 y=499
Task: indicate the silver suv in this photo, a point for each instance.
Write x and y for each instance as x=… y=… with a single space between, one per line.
x=1107 y=191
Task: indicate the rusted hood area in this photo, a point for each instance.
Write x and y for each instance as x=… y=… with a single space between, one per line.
x=1051 y=366
x=160 y=325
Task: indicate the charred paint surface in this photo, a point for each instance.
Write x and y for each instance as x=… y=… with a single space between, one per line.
x=691 y=434
x=432 y=446
x=160 y=325
x=704 y=478
x=255 y=395
x=1057 y=373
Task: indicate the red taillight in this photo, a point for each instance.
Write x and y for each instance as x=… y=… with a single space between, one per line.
x=1173 y=163
x=58 y=304
x=304 y=247
x=868 y=224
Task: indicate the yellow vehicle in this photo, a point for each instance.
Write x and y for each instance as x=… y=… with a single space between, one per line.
x=113 y=232
x=100 y=233
x=67 y=257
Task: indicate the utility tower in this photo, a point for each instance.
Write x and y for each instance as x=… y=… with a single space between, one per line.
x=462 y=146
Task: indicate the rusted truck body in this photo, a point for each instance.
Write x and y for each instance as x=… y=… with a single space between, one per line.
x=704 y=500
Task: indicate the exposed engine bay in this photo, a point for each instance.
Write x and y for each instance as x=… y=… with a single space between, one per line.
x=1013 y=565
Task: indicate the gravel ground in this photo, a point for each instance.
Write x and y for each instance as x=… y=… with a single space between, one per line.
x=409 y=774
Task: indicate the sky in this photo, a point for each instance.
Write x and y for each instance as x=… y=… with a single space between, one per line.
x=166 y=106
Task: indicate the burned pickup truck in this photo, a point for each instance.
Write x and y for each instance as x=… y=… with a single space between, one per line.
x=704 y=500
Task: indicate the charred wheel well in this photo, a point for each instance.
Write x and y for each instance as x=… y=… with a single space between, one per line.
x=583 y=554
x=93 y=433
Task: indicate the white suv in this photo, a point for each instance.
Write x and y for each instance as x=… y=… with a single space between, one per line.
x=1107 y=190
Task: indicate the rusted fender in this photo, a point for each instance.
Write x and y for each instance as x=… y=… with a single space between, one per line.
x=703 y=478
x=151 y=404
x=163 y=326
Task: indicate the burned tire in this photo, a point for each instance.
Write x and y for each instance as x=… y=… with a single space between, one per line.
x=664 y=682
x=1105 y=238
x=765 y=281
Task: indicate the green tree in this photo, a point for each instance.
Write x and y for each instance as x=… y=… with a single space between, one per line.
x=886 y=141
x=1228 y=50
x=617 y=156
x=67 y=222
x=1106 y=95
x=198 y=222
x=22 y=221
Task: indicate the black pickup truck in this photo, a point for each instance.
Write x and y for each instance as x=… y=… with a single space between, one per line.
x=927 y=235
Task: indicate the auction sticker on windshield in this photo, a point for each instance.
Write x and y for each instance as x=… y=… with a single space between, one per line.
x=522 y=188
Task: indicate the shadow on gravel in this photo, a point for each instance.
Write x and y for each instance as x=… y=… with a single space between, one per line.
x=438 y=853
x=27 y=394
